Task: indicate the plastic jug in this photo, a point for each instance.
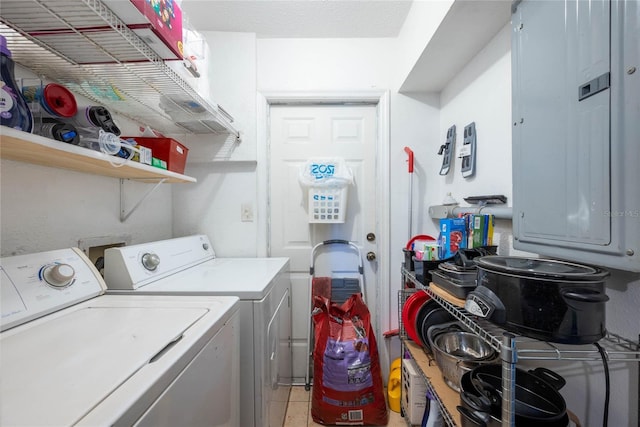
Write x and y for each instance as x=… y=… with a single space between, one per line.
x=14 y=111
x=394 y=386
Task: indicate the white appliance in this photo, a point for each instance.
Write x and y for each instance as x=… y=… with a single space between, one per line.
x=74 y=356
x=188 y=266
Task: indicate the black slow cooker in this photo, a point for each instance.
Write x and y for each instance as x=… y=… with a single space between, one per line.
x=546 y=299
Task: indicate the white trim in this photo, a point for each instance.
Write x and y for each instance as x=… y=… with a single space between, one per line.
x=262 y=175
x=384 y=210
x=382 y=100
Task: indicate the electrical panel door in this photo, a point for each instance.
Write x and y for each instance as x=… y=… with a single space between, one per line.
x=567 y=136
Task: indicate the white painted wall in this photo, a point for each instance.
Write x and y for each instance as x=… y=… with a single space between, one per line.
x=481 y=93
x=420 y=121
x=315 y=65
x=415 y=123
x=226 y=170
x=422 y=22
x=45 y=208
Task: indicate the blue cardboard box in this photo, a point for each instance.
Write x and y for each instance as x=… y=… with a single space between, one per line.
x=453 y=236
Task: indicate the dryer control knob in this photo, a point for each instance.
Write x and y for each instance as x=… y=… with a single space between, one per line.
x=150 y=261
x=59 y=275
x=205 y=246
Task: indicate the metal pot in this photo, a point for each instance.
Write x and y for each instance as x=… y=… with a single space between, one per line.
x=545 y=299
x=457 y=352
x=538 y=402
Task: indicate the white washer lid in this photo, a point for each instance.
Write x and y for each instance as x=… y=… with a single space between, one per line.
x=247 y=278
x=55 y=372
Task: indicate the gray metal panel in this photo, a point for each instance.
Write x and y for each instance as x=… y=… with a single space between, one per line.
x=625 y=133
x=575 y=162
x=561 y=151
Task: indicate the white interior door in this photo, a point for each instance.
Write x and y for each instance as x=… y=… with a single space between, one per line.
x=297 y=134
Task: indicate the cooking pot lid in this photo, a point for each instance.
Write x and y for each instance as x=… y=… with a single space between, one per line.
x=538 y=267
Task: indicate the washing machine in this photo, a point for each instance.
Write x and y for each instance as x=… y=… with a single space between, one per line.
x=188 y=266
x=73 y=356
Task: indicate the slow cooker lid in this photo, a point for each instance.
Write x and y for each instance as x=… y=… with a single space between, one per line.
x=538 y=267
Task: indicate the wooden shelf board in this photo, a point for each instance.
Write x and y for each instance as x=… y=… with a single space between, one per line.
x=449 y=397
x=30 y=148
x=458 y=302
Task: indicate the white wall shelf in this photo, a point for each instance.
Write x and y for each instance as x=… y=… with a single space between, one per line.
x=465 y=30
x=114 y=67
x=30 y=148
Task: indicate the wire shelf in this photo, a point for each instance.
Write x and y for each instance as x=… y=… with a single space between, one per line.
x=617 y=348
x=86 y=47
x=425 y=357
x=510 y=346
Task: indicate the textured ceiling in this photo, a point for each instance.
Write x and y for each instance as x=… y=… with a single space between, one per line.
x=300 y=18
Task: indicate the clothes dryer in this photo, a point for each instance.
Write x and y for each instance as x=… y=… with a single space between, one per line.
x=188 y=266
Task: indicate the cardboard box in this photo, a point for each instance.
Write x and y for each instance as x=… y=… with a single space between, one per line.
x=453 y=236
x=157 y=163
x=482 y=229
x=166 y=149
x=144 y=156
x=157 y=22
x=478 y=227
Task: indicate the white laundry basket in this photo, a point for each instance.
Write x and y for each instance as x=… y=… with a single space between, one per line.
x=327 y=182
x=328 y=204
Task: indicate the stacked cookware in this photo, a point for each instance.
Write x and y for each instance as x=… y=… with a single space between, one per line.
x=545 y=299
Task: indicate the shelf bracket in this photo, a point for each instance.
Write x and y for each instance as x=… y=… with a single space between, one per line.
x=123 y=213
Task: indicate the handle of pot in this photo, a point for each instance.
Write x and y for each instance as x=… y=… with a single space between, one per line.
x=476 y=403
x=487 y=390
x=472 y=416
x=418 y=237
x=584 y=295
x=552 y=378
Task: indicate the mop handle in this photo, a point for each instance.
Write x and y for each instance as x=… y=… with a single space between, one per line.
x=410 y=153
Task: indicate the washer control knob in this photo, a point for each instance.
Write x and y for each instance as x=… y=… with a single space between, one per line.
x=205 y=246
x=59 y=275
x=150 y=261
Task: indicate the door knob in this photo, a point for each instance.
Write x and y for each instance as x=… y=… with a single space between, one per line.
x=371 y=256
x=371 y=237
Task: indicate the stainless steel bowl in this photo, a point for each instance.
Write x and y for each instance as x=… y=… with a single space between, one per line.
x=457 y=352
x=463 y=346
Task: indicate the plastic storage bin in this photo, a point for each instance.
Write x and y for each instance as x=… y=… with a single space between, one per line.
x=167 y=149
x=423 y=269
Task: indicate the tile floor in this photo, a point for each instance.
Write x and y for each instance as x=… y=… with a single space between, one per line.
x=299 y=411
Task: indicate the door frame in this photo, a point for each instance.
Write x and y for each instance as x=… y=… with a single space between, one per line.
x=381 y=100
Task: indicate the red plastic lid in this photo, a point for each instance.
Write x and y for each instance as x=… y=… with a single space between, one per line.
x=60 y=100
x=409 y=312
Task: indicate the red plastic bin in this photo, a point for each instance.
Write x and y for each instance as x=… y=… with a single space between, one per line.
x=167 y=149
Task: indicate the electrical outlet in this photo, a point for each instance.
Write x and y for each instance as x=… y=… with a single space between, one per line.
x=246 y=212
